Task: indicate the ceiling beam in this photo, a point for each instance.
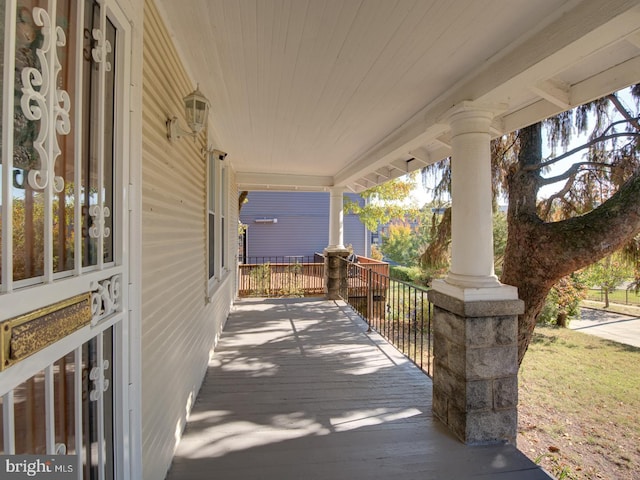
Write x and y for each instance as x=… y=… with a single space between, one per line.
x=274 y=181
x=608 y=81
x=384 y=173
x=634 y=39
x=554 y=91
x=421 y=154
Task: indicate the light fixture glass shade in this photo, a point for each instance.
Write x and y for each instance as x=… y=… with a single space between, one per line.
x=196 y=107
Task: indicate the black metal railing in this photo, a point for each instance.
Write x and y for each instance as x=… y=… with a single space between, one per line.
x=397 y=310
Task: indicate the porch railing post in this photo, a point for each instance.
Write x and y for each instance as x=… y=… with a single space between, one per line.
x=335 y=272
x=475 y=382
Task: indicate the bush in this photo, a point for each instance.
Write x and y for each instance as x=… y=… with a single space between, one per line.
x=376 y=254
x=410 y=274
x=398 y=272
x=563 y=301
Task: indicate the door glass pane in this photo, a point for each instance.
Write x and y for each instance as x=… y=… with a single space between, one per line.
x=63 y=202
x=29 y=410
x=92 y=442
x=28 y=203
x=109 y=144
x=29 y=414
x=91 y=189
x=109 y=405
x=64 y=391
x=30 y=147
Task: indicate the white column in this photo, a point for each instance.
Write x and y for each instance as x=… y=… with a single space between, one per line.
x=336 y=225
x=472 y=276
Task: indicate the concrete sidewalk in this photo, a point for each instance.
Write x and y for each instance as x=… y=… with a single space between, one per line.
x=611 y=326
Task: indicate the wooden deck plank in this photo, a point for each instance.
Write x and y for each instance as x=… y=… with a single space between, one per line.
x=298 y=390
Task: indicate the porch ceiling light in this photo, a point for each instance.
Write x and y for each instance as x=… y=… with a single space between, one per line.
x=196 y=108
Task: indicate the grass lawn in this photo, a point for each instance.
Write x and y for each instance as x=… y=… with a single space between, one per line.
x=579 y=405
x=617 y=296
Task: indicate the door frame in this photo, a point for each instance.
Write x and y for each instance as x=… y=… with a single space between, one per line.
x=127 y=232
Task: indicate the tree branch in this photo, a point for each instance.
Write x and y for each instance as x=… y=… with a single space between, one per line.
x=601 y=138
x=546 y=204
x=571 y=172
x=623 y=111
x=581 y=240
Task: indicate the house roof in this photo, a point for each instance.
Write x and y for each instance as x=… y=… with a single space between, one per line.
x=310 y=94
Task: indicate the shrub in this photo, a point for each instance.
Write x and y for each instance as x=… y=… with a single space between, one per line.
x=563 y=301
x=410 y=274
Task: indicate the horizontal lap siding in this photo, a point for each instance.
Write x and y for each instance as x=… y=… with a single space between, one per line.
x=179 y=328
x=302 y=227
x=355 y=234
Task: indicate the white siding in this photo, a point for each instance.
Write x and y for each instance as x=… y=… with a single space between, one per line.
x=179 y=327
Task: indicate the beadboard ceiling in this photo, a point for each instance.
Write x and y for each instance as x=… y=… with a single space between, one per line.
x=310 y=94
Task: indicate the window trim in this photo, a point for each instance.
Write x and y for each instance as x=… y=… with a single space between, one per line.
x=211 y=216
x=217 y=211
x=223 y=215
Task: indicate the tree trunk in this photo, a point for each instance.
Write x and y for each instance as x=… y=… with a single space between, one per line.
x=538 y=254
x=521 y=267
x=561 y=320
x=606 y=297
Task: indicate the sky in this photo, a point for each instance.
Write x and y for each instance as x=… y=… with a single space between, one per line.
x=421 y=195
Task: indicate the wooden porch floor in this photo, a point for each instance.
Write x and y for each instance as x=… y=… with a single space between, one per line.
x=298 y=390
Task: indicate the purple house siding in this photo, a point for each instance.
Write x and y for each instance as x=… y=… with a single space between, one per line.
x=295 y=223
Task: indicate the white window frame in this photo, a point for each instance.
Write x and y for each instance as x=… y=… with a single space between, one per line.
x=211 y=215
x=223 y=223
x=217 y=211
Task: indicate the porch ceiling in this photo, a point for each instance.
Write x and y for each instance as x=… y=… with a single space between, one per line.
x=310 y=94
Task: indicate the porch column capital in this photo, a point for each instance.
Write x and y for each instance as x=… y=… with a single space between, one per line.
x=472 y=273
x=468 y=117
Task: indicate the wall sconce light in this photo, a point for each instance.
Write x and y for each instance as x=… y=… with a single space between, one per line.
x=196 y=108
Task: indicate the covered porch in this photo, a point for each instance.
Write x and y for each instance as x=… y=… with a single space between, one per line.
x=299 y=389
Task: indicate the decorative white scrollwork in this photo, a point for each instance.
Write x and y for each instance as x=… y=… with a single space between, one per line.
x=98 y=214
x=100 y=383
x=48 y=104
x=105 y=298
x=101 y=50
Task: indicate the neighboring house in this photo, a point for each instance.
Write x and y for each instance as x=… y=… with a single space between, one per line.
x=119 y=244
x=282 y=224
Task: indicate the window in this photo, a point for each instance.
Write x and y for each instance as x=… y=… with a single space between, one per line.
x=217 y=217
x=223 y=215
x=211 y=216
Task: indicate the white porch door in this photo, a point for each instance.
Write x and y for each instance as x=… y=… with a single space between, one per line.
x=64 y=368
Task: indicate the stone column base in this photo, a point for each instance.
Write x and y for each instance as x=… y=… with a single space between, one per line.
x=475 y=381
x=335 y=272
